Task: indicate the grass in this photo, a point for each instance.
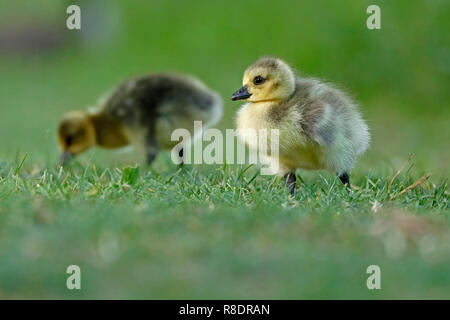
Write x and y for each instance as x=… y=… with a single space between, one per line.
x=225 y=231
x=223 y=234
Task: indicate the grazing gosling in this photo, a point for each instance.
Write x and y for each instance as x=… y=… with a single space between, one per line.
x=142 y=112
x=319 y=125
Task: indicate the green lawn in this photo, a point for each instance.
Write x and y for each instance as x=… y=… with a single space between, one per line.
x=218 y=235
x=225 y=231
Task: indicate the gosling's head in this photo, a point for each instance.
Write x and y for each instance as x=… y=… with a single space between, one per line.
x=76 y=134
x=268 y=79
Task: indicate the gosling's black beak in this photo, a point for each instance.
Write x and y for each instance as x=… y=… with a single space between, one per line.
x=65 y=157
x=241 y=94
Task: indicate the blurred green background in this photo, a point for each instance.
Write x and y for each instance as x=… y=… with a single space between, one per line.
x=165 y=236
x=400 y=74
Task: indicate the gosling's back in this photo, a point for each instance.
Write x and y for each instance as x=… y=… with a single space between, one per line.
x=142 y=100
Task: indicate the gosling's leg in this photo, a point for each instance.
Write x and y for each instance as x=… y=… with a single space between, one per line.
x=151 y=148
x=181 y=155
x=290 y=181
x=151 y=157
x=345 y=179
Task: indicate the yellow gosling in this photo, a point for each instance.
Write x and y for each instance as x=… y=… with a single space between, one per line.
x=320 y=126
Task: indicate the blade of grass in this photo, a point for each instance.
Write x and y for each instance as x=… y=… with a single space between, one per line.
x=415 y=184
x=16 y=171
x=398 y=172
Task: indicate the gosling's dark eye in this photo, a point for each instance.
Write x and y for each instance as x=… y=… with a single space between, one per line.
x=258 y=80
x=69 y=140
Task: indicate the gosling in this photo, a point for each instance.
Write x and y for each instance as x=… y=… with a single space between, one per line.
x=319 y=125
x=142 y=112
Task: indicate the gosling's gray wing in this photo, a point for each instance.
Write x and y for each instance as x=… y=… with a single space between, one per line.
x=318 y=103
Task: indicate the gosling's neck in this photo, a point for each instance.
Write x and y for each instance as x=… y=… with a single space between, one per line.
x=109 y=132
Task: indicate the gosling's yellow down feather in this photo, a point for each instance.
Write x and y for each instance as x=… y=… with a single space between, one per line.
x=320 y=126
x=142 y=112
